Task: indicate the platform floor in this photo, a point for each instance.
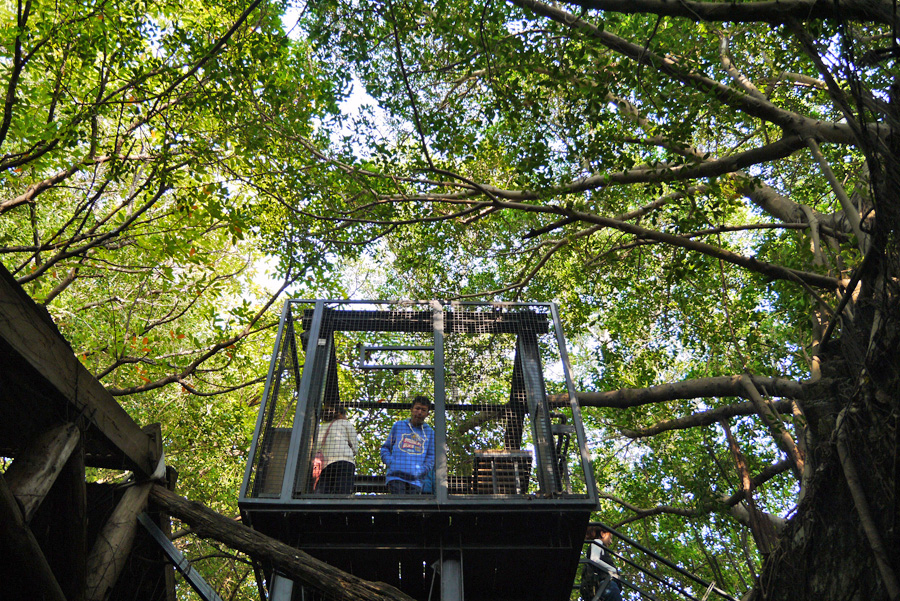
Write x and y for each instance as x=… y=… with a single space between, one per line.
x=528 y=554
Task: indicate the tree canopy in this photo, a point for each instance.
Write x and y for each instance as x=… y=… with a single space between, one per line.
x=707 y=188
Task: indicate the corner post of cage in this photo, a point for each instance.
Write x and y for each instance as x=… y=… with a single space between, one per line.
x=310 y=369
x=440 y=404
x=536 y=397
x=586 y=464
x=254 y=444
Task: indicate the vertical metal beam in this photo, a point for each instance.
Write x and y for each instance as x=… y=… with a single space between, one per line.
x=514 y=415
x=586 y=464
x=282 y=588
x=311 y=385
x=440 y=405
x=536 y=397
x=452 y=576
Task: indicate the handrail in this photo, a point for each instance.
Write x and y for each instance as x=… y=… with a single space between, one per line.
x=664 y=561
x=630 y=585
x=648 y=572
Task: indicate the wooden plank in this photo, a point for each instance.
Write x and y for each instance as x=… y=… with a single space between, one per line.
x=34 y=470
x=24 y=571
x=113 y=545
x=501 y=472
x=29 y=332
x=60 y=526
x=71 y=481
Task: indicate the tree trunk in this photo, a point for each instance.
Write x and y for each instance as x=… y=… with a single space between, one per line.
x=843 y=541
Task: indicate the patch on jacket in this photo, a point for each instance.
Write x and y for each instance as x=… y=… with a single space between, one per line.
x=412 y=444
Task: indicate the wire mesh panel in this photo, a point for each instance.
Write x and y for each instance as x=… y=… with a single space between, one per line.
x=501 y=434
x=487 y=370
x=382 y=357
x=278 y=409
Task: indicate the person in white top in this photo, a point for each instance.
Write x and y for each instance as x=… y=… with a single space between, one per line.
x=599 y=579
x=336 y=446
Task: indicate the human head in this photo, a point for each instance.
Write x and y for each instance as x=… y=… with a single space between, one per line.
x=335 y=412
x=599 y=532
x=605 y=536
x=419 y=410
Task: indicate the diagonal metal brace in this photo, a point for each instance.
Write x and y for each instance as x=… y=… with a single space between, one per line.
x=179 y=560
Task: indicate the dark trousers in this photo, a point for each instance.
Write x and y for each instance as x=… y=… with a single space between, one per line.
x=399 y=487
x=337 y=478
x=592 y=580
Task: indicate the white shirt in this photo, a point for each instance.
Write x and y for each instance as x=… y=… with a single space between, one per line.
x=596 y=557
x=340 y=444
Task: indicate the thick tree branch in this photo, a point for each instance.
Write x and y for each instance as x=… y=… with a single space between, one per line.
x=762 y=530
x=641 y=175
x=807 y=279
x=718 y=386
x=765 y=11
x=696 y=420
x=769 y=414
x=751 y=105
x=851 y=212
x=739 y=78
x=752 y=264
x=732 y=503
x=769 y=472
x=35 y=189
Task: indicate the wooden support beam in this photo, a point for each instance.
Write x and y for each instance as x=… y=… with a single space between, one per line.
x=24 y=569
x=60 y=526
x=293 y=563
x=35 y=469
x=114 y=543
x=73 y=527
x=30 y=335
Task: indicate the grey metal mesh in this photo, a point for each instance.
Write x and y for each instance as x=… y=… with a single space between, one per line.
x=498 y=363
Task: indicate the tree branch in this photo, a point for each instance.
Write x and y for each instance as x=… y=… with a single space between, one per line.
x=732 y=503
x=718 y=386
x=765 y=11
x=703 y=418
x=760 y=108
x=769 y=414
x=192 y=367
x=296 y=564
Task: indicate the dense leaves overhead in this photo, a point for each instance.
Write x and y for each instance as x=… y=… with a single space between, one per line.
x=689 y=189
x=130 y=134
x=696 y=183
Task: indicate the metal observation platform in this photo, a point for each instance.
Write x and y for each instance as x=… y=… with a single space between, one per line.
x=513 y=487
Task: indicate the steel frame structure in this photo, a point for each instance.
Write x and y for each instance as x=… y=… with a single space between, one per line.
x=541 y=527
